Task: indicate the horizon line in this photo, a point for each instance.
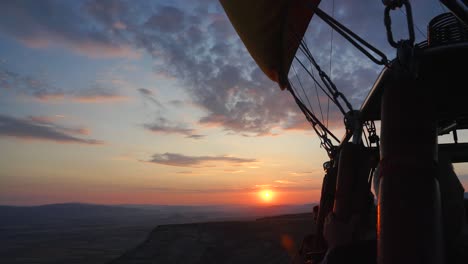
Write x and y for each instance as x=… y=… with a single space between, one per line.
x=155 y=204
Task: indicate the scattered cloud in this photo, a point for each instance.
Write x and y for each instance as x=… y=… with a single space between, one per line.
x=50 y=121
x=196 y=44
x=40 y=88
x=64 y=26
x=184 y=172
x=203 y=52
x=285 y=182
x=287 y=187
x=37 y=128
x=235 y=189
x=145 y=91
x=167 y=19
x=180 y=160
x=149 y=95
x=178 y=103
x=195 y=136
x=164 y=126
x=301 y=173
x=233 y=171
x=98 y=95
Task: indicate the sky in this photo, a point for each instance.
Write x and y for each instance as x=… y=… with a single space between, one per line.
x=159 y=102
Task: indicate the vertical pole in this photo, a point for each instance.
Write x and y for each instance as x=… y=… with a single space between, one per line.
x=326 y=202
x=409 y=215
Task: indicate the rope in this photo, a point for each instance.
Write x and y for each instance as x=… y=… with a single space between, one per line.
x=298 y=95
x=353 y=38
x=327 y=82
x=331 y=40
x=330 y=89
x=319 y=128
x=318 y=100
x=331 y=54
x=303 y=90
x=315 y=80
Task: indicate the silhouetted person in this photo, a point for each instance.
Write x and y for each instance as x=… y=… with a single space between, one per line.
x=354 y=240
x=315 y=213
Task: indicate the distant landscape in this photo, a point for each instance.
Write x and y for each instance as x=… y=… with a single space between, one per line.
x=87 y=233
x=75 y=233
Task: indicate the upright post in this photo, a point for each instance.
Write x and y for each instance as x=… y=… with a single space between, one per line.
x=409 y=215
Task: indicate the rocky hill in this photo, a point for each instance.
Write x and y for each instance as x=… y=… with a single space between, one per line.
x=266 y=240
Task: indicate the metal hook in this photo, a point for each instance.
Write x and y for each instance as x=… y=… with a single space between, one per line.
x=391 y=5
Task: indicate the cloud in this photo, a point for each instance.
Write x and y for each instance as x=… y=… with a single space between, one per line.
x=164 y=126
x=99 y=98
x=204 y=52
x=180 y=160
x=285 y=182
x=195 y=44
x=178 y=103
x=222 y=78
x=149 y=95
x=167 y=19
x=97 y=95
x=195 y=136
x=40 y=129
x=233 y=171
x=184 y=172
x=282 y=187
x=145 y=91
x=233 y=189
x=40 y=88
x=50 y=121
x=51 y=23
x=301 y=173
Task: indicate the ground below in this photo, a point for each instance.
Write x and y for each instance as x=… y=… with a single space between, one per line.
x=266 y=240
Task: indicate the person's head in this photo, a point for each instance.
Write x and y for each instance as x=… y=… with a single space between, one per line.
x=315 y=213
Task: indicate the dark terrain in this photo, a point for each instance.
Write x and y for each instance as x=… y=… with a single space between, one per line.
x=267 y=240
x=137 y=234
x=85 y=233
x=264 y=240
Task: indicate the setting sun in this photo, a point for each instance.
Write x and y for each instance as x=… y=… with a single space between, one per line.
x=266 y=195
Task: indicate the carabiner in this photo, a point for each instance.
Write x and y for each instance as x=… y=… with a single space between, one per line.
x=390 y=5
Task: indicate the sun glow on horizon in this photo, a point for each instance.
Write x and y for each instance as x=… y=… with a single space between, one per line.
x=266 y=195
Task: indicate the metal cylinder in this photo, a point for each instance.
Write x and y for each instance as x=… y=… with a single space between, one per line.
x=409 y=215
x=352 y=188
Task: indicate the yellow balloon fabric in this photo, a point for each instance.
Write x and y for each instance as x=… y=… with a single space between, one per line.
x=271 y=30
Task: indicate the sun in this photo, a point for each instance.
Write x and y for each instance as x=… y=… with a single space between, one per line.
x=266 y=195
